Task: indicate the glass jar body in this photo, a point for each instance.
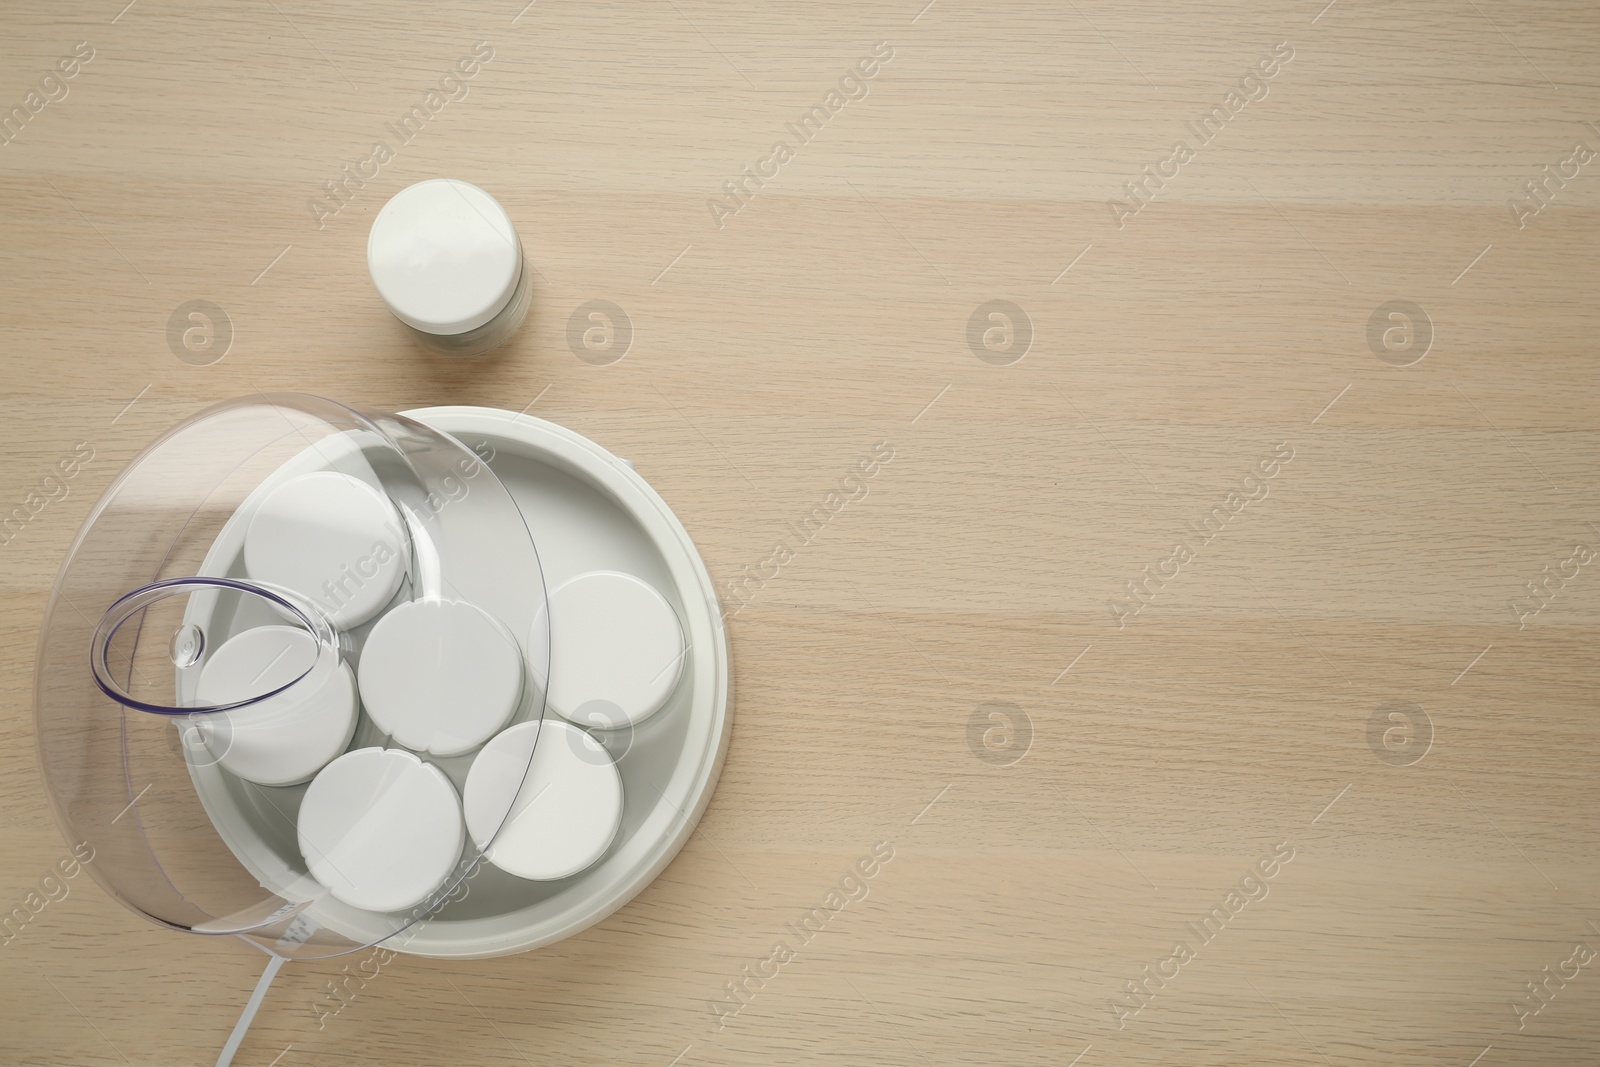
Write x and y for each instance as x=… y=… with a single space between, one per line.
x=481 y=339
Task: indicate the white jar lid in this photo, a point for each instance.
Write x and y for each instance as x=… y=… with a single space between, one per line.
x=380 y=828
x=616 y=650
x=444 y=256
x=331 y=538
x=284 y=739
x=568 y=800
x=440 y=676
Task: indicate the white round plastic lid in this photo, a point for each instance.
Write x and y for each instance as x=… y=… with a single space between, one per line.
x=380 y=828
x=566 y=811
x=333 y=539
x=286 y=738
x=444 y=256
x=440 y=676
x=616 y=650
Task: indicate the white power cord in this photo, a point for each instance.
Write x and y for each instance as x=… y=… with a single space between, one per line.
x=250 y=1008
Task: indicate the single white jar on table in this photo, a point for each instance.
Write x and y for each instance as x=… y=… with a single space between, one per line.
x=447 y=261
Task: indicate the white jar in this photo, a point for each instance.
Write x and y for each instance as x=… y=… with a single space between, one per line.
x=447 y=261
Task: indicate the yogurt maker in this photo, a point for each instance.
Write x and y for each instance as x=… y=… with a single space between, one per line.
x=452 y=680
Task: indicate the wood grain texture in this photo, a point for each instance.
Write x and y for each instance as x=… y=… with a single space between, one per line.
x=1227 y=318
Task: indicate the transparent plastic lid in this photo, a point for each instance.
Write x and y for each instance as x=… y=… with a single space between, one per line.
x=268 y=661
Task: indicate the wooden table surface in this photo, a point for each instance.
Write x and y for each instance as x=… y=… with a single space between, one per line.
x=1285 y=337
